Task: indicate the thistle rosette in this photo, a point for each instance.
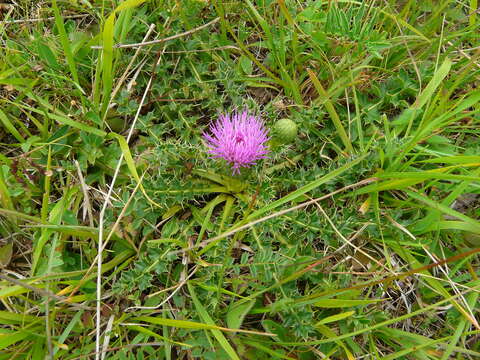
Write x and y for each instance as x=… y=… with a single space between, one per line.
x=239 y=138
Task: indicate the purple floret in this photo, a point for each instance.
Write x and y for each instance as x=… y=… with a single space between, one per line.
x=238 y=138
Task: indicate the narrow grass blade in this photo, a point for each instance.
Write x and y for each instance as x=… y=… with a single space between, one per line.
x=182 y=324
x=68 y=329
x=432 y=86
x=336 y=317
x=10 y=127
x=65 y=42
x=268 y=349
x=7 y=318
x=444 y=209
x=329 y=333
x=151 y=333
x=462 y=326
x=473 y=12
x=341 y=303
x=8 y=338
x=237 y=313
x=460 y=159
x=18 y=215
x=331 y=111
x=413 y=349
x=107 y=51
x=131 y=164
x=5 y=198
x=217 y=333
x=69 y=121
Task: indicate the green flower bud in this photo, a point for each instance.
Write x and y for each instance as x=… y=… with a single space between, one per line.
x=285 y=131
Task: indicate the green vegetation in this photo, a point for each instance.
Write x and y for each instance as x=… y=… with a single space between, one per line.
x=358 y=238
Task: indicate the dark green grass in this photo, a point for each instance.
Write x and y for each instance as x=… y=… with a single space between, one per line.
x=198 y=263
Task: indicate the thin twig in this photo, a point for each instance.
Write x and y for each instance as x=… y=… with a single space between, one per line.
x=159 y=41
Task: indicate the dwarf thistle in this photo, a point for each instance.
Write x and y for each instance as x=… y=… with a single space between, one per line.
x=239 y=138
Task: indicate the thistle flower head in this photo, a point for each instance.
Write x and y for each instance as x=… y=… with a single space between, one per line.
x=239 y=138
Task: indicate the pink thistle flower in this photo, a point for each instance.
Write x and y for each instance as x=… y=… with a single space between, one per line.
x=238 y=138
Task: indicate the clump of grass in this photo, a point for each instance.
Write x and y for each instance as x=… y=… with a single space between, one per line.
x=123 y=239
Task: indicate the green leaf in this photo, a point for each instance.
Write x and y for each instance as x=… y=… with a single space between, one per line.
x=277 y=329
x=329 y=333
x=268 y=350
x=217 y=333
x=5 y=198
x=65 y=42
x=55 y=218
x=237 y=313
x=8 y=338
x=47 y=55
x=474 y=224
x=149 y=332
x=460 y=159
x=437 y=79
x=325 y=96
x=7 y=317
x=336 y=317
x=379 y=325
x=107 y=52
x=6 y=252
x=183 y=324
x=10 y=127
x=63 y=119
x=246 y=65
x=131 y=163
